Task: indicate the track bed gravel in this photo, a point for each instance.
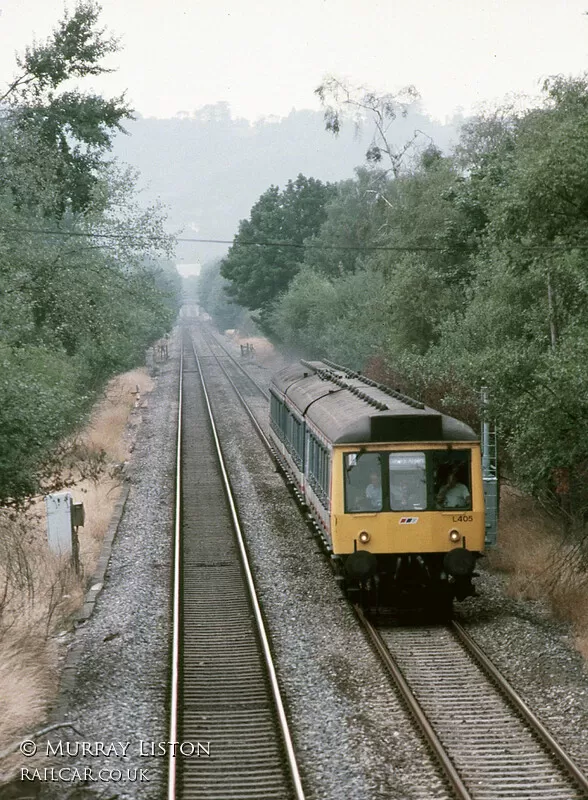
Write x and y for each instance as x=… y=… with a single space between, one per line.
x=120 y=691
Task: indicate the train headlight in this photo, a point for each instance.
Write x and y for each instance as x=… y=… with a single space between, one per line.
x=364 y=537
x=454 y=535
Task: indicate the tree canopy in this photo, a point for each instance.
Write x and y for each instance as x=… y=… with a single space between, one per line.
x=209 y=291
x=84 y=269
x=461 y=269
x=269 y=247
x=73 y=129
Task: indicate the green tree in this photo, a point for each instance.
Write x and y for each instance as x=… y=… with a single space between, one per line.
x=212 y=297
x=524 y=326
x=85 y=281
x=410 y=231
x=258 y=268
x=355 y=218
x=74 y=129
x=343 y=318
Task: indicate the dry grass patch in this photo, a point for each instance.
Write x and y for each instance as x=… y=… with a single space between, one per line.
x=106 y=431
x=570 y=602
x=27 y=672
x=263 y=348
x=37 y=586
x=542 y=563
x=39 y=592
x=99 y=500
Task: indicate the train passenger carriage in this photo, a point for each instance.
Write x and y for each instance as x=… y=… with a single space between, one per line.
x=395 y=487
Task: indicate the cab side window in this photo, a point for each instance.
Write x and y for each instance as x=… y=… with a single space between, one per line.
x=453 y=487
x=363 y=482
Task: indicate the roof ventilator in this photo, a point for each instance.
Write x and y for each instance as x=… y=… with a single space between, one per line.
x=403 y=398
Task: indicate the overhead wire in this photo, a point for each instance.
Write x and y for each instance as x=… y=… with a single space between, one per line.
x=296 y=245
x=299 y=245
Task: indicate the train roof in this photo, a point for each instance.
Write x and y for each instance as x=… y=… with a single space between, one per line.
x=348 y=407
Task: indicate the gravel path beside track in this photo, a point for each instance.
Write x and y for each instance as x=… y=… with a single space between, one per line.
x=122 y=673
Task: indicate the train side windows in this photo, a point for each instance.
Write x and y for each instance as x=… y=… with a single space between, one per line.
x=408 y=481
x=311 y=456
x=325 y=473
x=282 y=419
x=308 y=458
x=363 y=482
x=295 y=440
x=452 y=480
x=279 y=414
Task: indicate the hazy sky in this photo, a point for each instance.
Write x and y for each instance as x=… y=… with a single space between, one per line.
x=267 y=56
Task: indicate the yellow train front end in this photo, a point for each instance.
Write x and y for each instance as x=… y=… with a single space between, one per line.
x=394 y=486
x=408 y=518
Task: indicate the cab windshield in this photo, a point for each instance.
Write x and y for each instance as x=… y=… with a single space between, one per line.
x=407 y=480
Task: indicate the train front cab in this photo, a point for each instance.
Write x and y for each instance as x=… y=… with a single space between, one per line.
x=393 y=526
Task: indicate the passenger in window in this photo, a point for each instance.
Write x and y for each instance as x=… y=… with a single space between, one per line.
x=373 y=492
x=404 y=496
x=454 y=494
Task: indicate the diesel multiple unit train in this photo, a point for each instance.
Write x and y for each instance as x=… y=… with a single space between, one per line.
x=394 y=487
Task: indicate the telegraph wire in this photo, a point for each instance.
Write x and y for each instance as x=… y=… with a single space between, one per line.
x=297 y=245
x=294 y=245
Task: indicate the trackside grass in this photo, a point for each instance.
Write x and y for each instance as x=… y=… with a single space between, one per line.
x=542 y=563
x=38 y=591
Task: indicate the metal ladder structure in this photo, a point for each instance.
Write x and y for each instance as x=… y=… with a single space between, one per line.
x=489 y=472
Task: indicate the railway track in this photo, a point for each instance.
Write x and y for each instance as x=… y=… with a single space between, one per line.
x=247 y=385
x=253 y=397
x=488 y=743
x=225 y=697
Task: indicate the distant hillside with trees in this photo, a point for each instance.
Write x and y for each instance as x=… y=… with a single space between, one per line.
x=209 y=168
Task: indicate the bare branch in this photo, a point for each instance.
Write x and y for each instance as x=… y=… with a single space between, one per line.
x=14 y=748
x=341 y=100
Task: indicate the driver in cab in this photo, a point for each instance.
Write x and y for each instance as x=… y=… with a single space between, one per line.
x=373 y=492
x=453 y=494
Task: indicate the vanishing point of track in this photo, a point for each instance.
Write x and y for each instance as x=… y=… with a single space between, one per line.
x=225 y=695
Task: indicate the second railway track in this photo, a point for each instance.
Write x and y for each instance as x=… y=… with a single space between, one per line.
x=488 y=742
